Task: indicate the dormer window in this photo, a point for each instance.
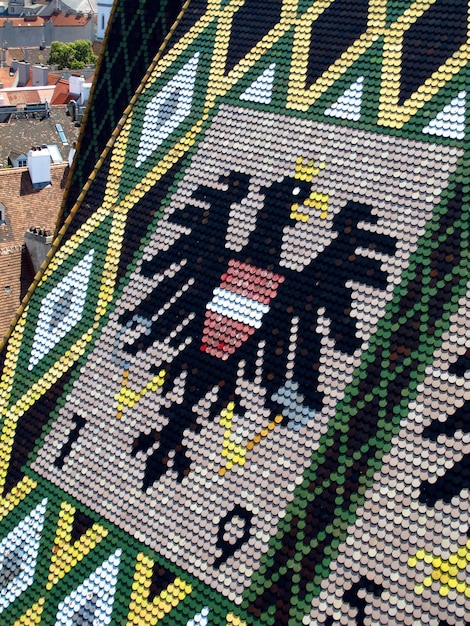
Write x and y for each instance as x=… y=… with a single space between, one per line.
x=2 y=213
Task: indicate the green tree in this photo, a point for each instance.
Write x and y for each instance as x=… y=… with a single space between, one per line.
x=73 y=55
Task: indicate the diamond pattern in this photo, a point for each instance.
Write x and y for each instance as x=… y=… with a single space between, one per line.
x=18 y=556
x=61 y=309
x=165 y=112
x=92 y=602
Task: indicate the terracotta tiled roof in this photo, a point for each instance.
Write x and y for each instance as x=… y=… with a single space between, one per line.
x=7 y=79
x=23 y=96
x=27 y=94
x=25 y=207
x=53 y=78
x=10 y=286
x=69 y=20
x=21 y=21
x=61 y=93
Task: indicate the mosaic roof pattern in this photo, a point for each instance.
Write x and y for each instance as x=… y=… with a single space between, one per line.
x=238 y=394
x=138 y=30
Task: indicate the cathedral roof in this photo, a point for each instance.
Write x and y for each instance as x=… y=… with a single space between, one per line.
x=238 y=392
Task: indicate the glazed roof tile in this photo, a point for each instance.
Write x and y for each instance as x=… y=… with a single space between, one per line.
x=238 y=394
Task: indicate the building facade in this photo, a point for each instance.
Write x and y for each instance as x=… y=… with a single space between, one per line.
x=38 y=31
x=104 y=12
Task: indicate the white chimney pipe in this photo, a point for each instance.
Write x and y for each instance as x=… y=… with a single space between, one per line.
x=39 y=166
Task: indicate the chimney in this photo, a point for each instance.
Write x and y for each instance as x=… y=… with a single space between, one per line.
x=38 y=241
x=40 y=75
x=39 y=166
x=75 y=85
x=84 y=92
x=23 y=70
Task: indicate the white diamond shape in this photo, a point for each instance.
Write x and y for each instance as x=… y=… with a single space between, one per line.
x=165 y=112
x=261 y=90
x=93 y=599
x=18 y=555
x=348 y=106
x=61 y=309
x=201 y=619
x=450 y=122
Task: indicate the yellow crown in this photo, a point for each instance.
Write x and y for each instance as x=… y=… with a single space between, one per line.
x=307 y=170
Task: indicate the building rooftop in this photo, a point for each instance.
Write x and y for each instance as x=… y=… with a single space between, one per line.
x=35 y=21
x=33 y=55
x=58 y=18
x=7 y=78
x=27 y=95
x=27 y=207
x=23 y=207
x=61 y=93
x=62 y=19
x=81 y=6
x=52 y=79
x=21 y=133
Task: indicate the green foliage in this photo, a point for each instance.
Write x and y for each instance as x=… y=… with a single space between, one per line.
x=73 y=55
